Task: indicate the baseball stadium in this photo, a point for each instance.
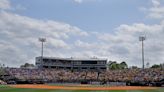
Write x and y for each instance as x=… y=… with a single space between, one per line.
x=54 y=74
x=81 y=46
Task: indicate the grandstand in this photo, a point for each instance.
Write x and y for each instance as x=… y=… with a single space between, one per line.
x=151 y=76
x=81 y=71
x=77 y=64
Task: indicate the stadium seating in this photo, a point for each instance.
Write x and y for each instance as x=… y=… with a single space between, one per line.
x=2 y=82
x=59 y=75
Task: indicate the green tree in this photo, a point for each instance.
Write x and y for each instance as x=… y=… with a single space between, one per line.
x=155 y=66
x=112 y=65
x=123 y=65
x=27 y=65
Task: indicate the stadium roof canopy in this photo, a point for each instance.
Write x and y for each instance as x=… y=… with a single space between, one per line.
x=75 y=59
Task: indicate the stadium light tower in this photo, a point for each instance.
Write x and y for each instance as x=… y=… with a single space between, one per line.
x=42 y=40
x=142 y=38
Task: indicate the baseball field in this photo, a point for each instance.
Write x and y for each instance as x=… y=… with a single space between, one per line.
x=76 y=88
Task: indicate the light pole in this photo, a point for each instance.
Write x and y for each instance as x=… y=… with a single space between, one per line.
x=142 y=38
x=42 y=40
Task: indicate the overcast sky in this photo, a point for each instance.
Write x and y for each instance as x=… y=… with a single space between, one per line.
x=81 y=28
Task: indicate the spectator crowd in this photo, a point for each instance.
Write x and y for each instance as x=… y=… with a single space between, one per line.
x=2 y=82
x=56 y=75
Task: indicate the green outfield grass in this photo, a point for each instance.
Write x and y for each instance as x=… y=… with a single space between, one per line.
x=4 y=88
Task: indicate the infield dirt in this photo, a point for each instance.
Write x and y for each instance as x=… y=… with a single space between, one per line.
x=83 y=87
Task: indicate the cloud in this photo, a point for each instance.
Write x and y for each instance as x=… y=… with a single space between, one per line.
x=5 y=4
x=10 y=54
x=19 y=40
x=124 y=43
x=78 y=1
x=82 y=1
x=156 y=3
x=21 y=33
x=85 y=45
x=156 y=11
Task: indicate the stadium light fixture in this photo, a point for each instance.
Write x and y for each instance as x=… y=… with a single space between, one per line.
x=142 y=38
x=42 y=40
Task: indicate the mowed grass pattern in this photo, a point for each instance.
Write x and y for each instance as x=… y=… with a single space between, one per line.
x=5 y=88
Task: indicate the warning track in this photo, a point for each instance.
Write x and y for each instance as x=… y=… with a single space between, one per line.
x=81 y=87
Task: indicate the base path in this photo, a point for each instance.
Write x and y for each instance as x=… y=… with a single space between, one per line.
x=81 y=87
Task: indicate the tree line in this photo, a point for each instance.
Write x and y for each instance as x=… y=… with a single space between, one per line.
x=113 y=65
